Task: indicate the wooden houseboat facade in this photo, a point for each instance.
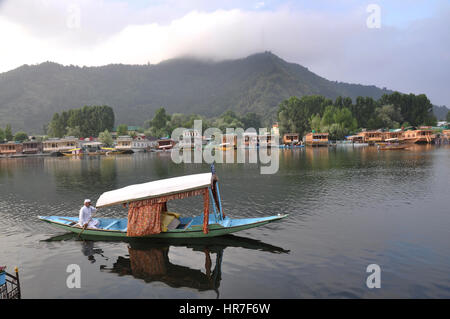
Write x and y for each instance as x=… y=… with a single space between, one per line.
x=372 y=137
x=250 y=139
x=291 y=138
x=165 y=144
x=60 y=145
x=316 y=139
x=11 y=148
x=124 y=144
x=420 y=136
x=32 y=147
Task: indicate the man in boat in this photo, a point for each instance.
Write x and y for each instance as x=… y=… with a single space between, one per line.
x=86 y=215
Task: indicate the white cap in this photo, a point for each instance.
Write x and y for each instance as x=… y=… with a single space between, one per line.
x=87 y=201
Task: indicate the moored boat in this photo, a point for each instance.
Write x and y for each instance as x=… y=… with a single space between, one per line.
x=392 y=144
x=73 y=152
x=148 y=216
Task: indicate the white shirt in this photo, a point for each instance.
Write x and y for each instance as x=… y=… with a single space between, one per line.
x=86 y=214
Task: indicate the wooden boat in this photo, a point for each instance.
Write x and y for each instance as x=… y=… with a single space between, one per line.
x=392 y=144
x=73 y=152
x=112 y=151
x=165 y=144
x=224 y=146
x=393 y=147
x=206 y=225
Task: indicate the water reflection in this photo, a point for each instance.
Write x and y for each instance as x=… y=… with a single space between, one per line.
x=88 y=250
x=78 y=173
x=149 y=260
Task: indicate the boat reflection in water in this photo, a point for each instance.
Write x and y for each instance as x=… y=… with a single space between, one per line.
x=149 y=260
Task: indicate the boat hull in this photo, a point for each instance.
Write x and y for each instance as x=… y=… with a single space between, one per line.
x=216 y=228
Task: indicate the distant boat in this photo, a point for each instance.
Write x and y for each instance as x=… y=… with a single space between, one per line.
x=224 y=146
x=172 y=224
x=392 y=144
x=73 y=152
x=165 y=144
x=112 y=151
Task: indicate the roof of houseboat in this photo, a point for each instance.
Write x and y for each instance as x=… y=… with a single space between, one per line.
x=154 y=189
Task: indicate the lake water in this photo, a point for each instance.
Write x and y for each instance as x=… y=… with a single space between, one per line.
x=349 y=208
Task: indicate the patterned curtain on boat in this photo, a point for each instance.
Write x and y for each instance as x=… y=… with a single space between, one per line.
x=144 y=216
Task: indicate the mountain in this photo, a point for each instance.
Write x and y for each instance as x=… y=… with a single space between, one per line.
x=29 y=95
x=440 y=112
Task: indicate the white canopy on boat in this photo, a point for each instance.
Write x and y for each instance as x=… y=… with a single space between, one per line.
x=154 y=189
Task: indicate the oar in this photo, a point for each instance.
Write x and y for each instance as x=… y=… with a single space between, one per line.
x=84 y=227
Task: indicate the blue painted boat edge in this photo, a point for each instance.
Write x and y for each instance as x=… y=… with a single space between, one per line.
x=233 y=224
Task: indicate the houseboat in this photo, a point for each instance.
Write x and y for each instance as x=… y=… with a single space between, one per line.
x=32 y=147
x=268 y=140
x=93 y=147
x=229 y=141
x=11 y=148
x=141 y=144
x=191 y=138
x=124 y=144
x=356 y=140
x=316 y=139
x=65 y=144
x=420 y=136
x=397 y=134
x=372 y=137
x=250 y=139
x=165 y=143
x=291 y=138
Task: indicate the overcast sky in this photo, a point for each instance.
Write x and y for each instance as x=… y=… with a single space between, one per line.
x=406 y=49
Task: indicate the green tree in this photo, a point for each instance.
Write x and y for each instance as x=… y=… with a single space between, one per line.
x=90 y=120
x=388 y=116
x=106 y=138
x=159 y=125
x=251 y=120
x=2 y=135
x=122 y=129
x=328 y=117
x=8 y=132
x=160 y=119
x=363 y=110
x=56 y=127
x=228 y=119
x=294 y=114
x=20 y=136
x=315 y=123
x=415 y=109
x=74 y=131
x=448 y=117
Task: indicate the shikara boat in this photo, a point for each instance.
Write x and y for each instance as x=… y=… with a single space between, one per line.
x=392 y=144
x=392 y=147
x=73 y=152
x=154 y=197
x=224 y=147
x=112 y=151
